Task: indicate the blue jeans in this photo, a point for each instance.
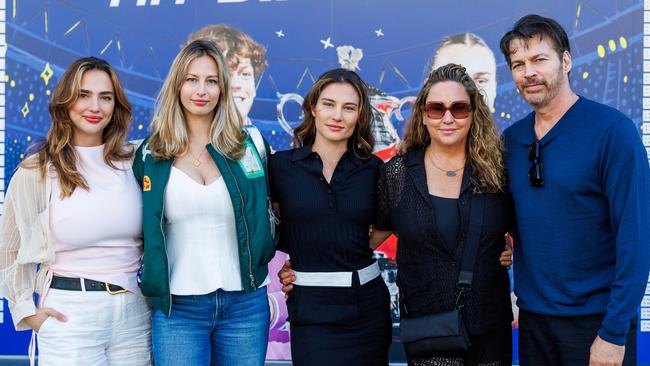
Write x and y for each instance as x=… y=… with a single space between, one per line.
x=225 y=328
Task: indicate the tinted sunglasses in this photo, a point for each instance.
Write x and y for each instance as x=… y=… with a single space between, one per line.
x=536 y=173
x=435 y=110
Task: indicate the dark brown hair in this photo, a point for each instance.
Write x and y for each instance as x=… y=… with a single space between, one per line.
x=534 y=25
x=468 y=39
x=361 y=141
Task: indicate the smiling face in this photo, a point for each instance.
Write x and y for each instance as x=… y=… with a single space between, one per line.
x=93 y=109
x=537 y=71
x=200 y=91
x=336 y=113
x=448 y=130
x=242 y=84
x=479 y=62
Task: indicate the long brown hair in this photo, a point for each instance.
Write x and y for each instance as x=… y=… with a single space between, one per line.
x=484 y=147
x=361 y=141
x=57 y=150
x=169 y=137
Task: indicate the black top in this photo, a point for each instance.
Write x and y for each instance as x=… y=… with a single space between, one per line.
x=427 y=269
x=445 y=211
x=317 y=215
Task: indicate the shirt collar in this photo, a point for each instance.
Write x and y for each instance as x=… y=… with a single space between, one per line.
x=304 y=152
x=301 y=153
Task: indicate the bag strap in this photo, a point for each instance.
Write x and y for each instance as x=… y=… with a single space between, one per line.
x=258 y=141
x=470 y=252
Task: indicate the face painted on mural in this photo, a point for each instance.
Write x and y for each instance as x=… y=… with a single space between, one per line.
x=478 y=61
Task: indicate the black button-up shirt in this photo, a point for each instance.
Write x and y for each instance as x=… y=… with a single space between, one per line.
x=324 y=225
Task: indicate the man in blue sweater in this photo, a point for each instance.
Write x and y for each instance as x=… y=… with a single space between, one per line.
x=580 y=180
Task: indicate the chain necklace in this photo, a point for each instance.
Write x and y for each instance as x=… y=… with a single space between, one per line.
x=196 y=161
x=450 y=173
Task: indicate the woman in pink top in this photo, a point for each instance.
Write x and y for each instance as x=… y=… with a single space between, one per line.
x=71 y=230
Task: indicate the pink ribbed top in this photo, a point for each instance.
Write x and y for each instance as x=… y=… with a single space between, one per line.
x=97 y=234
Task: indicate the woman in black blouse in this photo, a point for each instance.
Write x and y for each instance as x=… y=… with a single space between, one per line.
x=326 y=191
x=451 y=153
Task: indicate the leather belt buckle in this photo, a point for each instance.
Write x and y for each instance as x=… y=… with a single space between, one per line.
x=108 y=289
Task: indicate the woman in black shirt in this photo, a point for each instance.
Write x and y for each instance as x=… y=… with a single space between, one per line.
x=451 y=153
x=339 y=308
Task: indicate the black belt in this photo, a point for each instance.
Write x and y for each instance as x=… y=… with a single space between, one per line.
x=74 y=284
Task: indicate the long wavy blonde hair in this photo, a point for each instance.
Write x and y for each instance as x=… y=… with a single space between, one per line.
x=57 y=150
x=484 y=147
x=169 y=137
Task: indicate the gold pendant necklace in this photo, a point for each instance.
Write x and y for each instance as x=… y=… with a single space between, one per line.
x=196 y=161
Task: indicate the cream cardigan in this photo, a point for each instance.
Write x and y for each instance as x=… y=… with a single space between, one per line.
x=24 y=242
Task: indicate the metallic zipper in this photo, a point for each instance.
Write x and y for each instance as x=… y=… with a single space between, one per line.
x=162 y=231
x=248 y=245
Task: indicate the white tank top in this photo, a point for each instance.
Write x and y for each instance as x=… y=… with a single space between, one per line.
x=201 y=236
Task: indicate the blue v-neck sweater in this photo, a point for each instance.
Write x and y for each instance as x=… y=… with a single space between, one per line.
x=583 y=239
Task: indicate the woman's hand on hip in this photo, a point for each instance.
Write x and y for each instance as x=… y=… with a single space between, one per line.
x=36 y=321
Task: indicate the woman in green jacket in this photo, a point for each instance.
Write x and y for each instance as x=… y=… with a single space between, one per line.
x=207 y=233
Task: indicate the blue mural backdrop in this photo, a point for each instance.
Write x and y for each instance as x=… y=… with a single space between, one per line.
x=392 y=44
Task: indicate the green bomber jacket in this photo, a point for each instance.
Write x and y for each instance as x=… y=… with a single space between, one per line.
x=246 y=183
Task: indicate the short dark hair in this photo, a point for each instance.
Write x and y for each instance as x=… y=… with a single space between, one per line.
x=534 y=25
x=467 y=39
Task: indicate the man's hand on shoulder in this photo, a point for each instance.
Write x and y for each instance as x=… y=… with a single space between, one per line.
x=603 y=353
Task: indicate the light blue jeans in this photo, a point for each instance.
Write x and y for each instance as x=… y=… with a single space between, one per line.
x=223 y=328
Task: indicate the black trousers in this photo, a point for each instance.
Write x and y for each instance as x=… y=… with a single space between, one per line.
x=564 y=341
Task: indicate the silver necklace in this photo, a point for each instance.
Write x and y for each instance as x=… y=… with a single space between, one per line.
x=448 y=172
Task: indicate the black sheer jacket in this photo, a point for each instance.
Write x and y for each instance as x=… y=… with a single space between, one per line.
x=427 y=268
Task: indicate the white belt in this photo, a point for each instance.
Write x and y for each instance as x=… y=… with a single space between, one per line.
x=336 y=279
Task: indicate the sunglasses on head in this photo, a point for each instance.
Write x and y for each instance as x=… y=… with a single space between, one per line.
x=536 y=173
x=435 y=110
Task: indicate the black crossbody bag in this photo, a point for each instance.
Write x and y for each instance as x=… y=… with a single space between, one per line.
x=445 y=332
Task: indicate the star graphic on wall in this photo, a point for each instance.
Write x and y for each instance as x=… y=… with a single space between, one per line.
x=327 y=43
x=47 y=73
x=379 y=32
x=25 y=110
x=280 y=33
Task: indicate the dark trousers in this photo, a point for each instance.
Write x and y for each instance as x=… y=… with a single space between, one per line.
x=564 y=341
